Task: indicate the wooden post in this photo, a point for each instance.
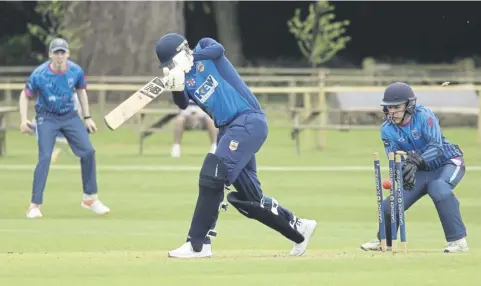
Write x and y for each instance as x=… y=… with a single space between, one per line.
x=292 y=100
x=8 y=97
x=9 y=102
x=479 y=115
x=307 y=112
x=323 y=116
x=264 y=100
x=102 y=98
x=294 y=116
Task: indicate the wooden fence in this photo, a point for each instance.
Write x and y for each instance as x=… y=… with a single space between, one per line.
x=313 y=101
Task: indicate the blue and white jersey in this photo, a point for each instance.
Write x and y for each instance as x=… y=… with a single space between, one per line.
x=421 y=134
x=55 y=91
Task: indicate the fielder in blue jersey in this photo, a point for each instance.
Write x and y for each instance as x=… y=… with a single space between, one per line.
x=434 y=166
x=205 y=76
x=53 y=84
x=61 y=143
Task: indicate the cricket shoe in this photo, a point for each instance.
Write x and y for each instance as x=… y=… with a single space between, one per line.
x=92 y=203
x=186 y=251
x=305 y=227
x=33 y=211
x=460 y=245
x=374 y=245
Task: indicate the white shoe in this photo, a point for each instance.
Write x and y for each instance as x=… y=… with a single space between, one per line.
x=460 y=245
x=305 y=227
x=34 y=211
x=92 y=203
x=186 y=251
x=175 y=153
x=374 y=245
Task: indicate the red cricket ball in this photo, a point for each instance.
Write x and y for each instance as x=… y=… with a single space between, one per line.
x=386 y=184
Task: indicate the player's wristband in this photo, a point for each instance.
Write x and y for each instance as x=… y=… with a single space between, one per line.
x=87 y=117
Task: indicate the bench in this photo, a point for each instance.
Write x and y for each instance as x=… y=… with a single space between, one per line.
x=3 y=128
x=167 y=114
x=462 y=102
x=340 y=105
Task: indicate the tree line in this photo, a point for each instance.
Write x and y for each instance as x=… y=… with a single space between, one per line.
x=118 y=38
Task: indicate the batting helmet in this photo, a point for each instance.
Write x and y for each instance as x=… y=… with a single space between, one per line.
x=168 y=46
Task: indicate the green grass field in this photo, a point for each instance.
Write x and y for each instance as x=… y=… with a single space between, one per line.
x=151 y=211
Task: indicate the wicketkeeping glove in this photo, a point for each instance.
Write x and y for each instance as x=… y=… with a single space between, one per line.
x=412 y=164
x=416 y=159
x=409 y=176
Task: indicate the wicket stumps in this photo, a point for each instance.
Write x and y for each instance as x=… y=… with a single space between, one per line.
x=380 y=212
x=396 y=200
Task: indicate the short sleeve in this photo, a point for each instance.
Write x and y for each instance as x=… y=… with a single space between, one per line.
x=31 y=86
x=81 y=81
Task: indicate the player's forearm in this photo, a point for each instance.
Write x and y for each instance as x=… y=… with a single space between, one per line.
x=23 y=106
x=431 y=153
x=84 y=102
x=180 y=99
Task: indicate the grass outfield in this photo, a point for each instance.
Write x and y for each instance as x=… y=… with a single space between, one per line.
x=151 y=211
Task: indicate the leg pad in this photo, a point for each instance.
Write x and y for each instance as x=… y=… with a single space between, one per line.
x=267 y=215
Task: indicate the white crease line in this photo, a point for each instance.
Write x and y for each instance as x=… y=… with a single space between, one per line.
x=184 y=168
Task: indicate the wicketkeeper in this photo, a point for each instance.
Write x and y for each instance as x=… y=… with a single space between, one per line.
x=434 y=166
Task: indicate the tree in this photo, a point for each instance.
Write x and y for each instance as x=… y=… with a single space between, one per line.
x=226 y=18
x=110 y=38
x=318 y=37
x=54 y=25
x=122 y=41
x=16 y=50
x=225 y=13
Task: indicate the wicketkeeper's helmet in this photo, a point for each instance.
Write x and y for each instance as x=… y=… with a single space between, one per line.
x=398 y=93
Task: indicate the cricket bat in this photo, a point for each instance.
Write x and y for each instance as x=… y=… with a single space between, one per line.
x=136 y=102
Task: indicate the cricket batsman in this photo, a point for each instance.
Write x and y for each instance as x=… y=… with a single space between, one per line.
x=205 y=76
x=434 y=165
x=53 y=84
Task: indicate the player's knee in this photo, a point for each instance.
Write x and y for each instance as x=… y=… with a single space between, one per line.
x=213 y=173
x=44 y=157
x=207 y=122
x=88 y=152
x=239 y=202
x=180 y=120
x=247 y=184
x=439 y=190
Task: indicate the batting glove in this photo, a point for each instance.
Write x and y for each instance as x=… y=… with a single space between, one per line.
x=175 y=79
